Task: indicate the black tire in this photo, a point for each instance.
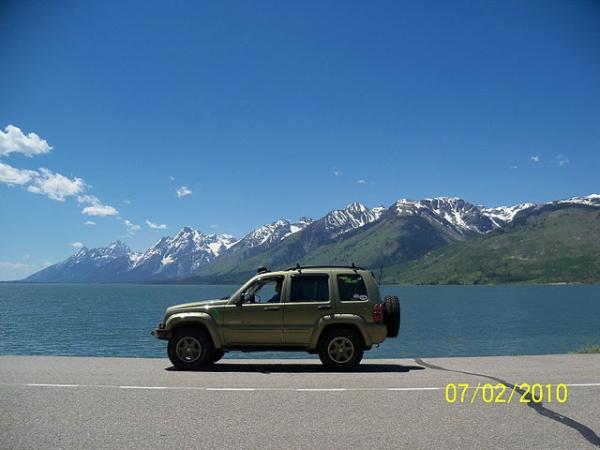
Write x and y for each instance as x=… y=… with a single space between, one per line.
x=194 y=339
x=343 y=336
x=391 y=315
x=216 y=355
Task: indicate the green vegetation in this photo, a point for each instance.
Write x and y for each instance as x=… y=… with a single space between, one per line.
x=589 y=349
x=560 y=246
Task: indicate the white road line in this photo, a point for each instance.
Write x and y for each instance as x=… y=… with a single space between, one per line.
x=174 y=388
x=231 y=389
x=143 y=387
x=583 y=384
x=52 y=385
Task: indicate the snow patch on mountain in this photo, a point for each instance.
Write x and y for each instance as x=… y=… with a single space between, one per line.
x=354 y=215
x=502 y=215
x=453 y=213
x=588 y=200
x=272 y=232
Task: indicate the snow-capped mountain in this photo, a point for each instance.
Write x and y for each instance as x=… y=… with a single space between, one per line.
x=502 y=215
x=406 y=230
x=181 y=255
x=97 y=264
x=588 y=200
x=279 y=243
x=272 y=233
x=258 y=242
x=354 y=215
x=465 y=218
x=102 y=255
x=453 y=213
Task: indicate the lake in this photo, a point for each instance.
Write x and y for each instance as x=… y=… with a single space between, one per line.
x=116 y=320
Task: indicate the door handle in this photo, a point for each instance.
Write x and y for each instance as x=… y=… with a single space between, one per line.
x=324 y=306
x=272 y=308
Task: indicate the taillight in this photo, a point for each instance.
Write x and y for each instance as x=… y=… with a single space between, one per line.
x=378 y=313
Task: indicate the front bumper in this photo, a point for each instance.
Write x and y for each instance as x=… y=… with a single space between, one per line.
x=161 y=333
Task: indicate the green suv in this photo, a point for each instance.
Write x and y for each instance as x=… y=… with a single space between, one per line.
x=334 y=311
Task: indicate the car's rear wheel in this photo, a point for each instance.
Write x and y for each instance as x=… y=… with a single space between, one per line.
x=340 y=349
x=190 y=349
x=391 y=315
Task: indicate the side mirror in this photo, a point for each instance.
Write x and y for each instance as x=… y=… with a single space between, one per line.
x=241 y=299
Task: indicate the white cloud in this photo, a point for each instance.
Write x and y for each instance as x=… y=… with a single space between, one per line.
x=96 y=208
x=12 y=265
x=13 y=140
x=514 y=167
x=536 y=158
x=56 y=186
x=127 y=202
x=12 y=175
x=89 y=222
x=91 y=199
x=77 y=245
x=337 y=172
x=361 y=181
x=561 y=160
x=131 y=227
x=155 y=226
x=183 y=191
x=171 y=177
x=44 y=181
x=99 y=210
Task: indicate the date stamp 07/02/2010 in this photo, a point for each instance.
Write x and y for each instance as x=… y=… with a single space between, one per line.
x=502 y=394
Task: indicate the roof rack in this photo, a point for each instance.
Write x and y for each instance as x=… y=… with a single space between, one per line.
x=299 y=267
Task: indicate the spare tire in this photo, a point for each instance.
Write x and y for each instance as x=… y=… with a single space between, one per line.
x=391 y=315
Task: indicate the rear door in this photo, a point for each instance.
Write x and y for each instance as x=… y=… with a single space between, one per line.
x=308 y=299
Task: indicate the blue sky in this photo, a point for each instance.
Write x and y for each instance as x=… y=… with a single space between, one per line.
x=277 y=109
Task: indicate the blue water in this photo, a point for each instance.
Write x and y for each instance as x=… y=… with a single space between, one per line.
x=116 y=320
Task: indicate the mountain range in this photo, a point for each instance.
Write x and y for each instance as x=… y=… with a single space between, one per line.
x=398 y=237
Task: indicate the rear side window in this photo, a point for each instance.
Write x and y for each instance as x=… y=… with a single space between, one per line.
x=352 y=288
x=310 y=288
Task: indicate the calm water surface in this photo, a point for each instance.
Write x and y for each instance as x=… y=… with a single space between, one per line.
x=116 y=320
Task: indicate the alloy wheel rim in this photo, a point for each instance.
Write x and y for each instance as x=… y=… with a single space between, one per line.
x=340 y=349
x=188 y=349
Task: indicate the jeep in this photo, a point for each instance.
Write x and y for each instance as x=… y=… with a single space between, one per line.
x=334 y=311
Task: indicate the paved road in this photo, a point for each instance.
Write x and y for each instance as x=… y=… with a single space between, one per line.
x=64 y=402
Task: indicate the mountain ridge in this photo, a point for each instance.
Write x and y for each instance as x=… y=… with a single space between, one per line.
x=374 y=237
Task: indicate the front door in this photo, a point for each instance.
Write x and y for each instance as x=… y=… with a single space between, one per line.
x=259 y=319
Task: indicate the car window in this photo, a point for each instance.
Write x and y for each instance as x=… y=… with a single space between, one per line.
x=352 y=288
x=264 y=291
x=310 y=288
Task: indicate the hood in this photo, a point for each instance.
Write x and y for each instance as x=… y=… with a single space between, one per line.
x=193 y=306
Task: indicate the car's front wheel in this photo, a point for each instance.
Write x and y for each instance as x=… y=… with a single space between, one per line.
x=190 y=349
x=340 y=349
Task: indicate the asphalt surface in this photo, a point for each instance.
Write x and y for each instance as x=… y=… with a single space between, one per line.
x=113 y=403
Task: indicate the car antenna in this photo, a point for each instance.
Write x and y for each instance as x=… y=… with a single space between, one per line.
x=380 y=274
x=298 y=268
